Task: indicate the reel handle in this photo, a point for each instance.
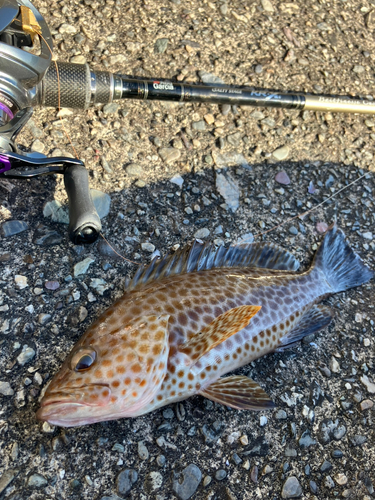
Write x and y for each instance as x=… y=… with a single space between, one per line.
x=84 y=222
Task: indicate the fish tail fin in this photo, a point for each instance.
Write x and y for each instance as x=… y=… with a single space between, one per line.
x=342 y=267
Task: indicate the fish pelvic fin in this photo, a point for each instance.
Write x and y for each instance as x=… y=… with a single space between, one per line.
x=238 y=392
x=219 y=330
x=342 y=267
x=315 y=319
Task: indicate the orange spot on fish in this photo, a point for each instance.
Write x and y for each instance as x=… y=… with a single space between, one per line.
x=110 y=373
x=98 y=373
x=120 y=369
x=127 y=381
x=116 y=383
x=105 y=393
x=106 y=362
x=134 y=394
x=191 y=376
x=142 y=383
x=123 y=392
x=136 y=368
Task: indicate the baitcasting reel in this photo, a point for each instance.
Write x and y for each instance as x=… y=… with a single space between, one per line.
x=29 y=78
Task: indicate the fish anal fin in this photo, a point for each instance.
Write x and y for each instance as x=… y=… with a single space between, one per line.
x=219 y=330
x=238 y=392
x=315 y=319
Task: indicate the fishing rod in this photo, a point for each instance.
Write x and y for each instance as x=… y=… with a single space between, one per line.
x=29 y=78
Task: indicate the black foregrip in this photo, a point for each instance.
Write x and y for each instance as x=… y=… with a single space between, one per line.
x=84 y=221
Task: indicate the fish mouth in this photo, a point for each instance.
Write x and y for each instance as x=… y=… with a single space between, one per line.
x=76 y=397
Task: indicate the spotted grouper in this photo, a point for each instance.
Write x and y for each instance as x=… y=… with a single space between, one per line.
x=188 y=319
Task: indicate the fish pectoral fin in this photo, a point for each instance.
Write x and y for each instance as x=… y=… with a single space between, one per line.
x=238 y=392
x=315 y=319
x=221 y=328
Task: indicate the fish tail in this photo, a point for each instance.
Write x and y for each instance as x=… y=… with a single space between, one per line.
x=343 y=269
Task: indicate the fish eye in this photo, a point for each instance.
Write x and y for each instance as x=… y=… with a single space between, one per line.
x=83 y=359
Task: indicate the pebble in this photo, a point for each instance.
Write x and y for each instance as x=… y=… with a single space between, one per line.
x=177 y=179
x=267 y=6
x=281 y=153
x=334 y=365
x=234 y=139
x=281 y=415
x=169 y=155
x=358 y=440
x=220 y=474
x=37 y=146
x=254 y=474
x=134 y=170
x=161 y=45
x=101 y=201
x=210 y=78
x=125 y=481
x=107 y=251
x=5 y=389
x=207 y=480
x=229 y=190
x=291 y=488
x=191 y=477
x=142 y=451
x=56 y=211
x=202 y=233
x=282 y=178
x=231 y=159
x=366 y=404
x=44 y=318
x=341 y=479
x=200 y=126
x=369 y=385
x=99 y=285
x=358 y=69
x=52 y=285
x=321 y=227
x=12 y=227
x=26 y=355
x=293 y=230
x=148 y=247
x=161 y=460
x=82 y=267
x=111 y=108
x=36 y=481
x=326 y=466
x=21 y=281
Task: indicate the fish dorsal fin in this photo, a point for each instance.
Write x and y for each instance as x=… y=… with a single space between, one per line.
x=238 y=392
x=220 y=329
x=201 y=257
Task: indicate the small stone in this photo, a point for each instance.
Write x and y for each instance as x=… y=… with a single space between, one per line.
x=281 y=415
x=254 y=474
x=358 y=69
x=134 y=170
x=142 y=451
x=161 y=460
x=148 y=247
x=282 y=178
x=37 y=146
x=80 y=59
x=44 y=318
x=36 y=481
x=220 y=474
x=291 y=488
x=337 y=454
x=125 y=481
x=341 y=479
x=326 y=466
x=328 y=482
x=177 y=179
x=12 y=227
x=191 y=477
x=209 y=118
x=26 y=355
x=368 y=235
x=52 y=285
x=366 y=404
x=169 y=155
x=244 y=440
x=234 y=139
x=111 y=108
x=263 y=421
x=202 y=233
x=21 y=281
x=321 y=227
x=281 y=153
x=267 y=6
x=210 y=78
x=231 y=159
x=207 y=480
x=293 y=230
x=68 y=29
x=369 y=385
x=358 y=440
x=200 y=126
x=5 y=389
x=334 y=365
x=56 y=211
x=82 y=267
x=101 y=201
x=229 y=190
x=161 y=45
x=99 y=285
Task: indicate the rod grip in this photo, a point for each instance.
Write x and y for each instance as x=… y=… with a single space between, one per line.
x=84 y=221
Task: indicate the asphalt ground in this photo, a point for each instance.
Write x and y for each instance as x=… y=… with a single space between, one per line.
x=321 y=432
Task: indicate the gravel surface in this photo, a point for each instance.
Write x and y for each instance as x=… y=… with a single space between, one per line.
x=165 y=173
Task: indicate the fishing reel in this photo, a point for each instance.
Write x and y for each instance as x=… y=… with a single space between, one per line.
x=29 y=78
x=25 y=57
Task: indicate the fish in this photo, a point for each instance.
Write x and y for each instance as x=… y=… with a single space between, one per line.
x=188 y=319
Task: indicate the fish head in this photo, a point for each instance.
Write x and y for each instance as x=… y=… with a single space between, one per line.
x=109 y=375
